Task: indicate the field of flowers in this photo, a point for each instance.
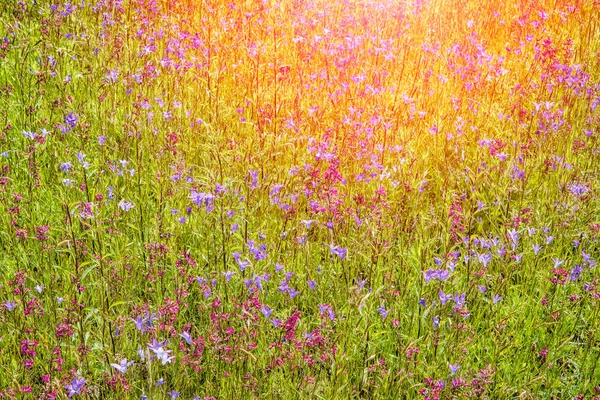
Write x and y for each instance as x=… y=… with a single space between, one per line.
x=285 y=199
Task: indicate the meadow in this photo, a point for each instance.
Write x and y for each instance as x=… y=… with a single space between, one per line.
x=299 y=199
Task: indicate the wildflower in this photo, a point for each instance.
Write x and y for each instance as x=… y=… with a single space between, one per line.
x=459 y=299
x=453 y=368
x=187 y=337
x=29 y=135
x=578 y=189
x=75 y=386
x=576 y=272
x=81 y=159
x=444 y=297
x=308 y=223
x=266 y=311
x=71 y=119
x=485 y=259
x=496 y=298
x=65 y=167
x=383 y=312
x=140 y=323
x=201 y=198
x=338 y=251
x=514 y=238
x=254 y=176
x=163 y=355
x=125 y=205
x=433 y=274
x=173 y=394
x=10 y=305
x=122 y=366
x=326 y=308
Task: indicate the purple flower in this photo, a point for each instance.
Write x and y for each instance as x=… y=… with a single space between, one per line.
x=65 y=167
x=187 y=337
x=81 y=159
x=485 y=259
x=383 y=312
x=513 y=235
x=293 y=292
x=326 y=308
x=433 y=274
x=173 y=394
x=266 y=311
x=453 y=368
x=10 y=305
x=228 y=275
x=557 y=262
x=125 y=205
x=202 y=198
x=308 y=223
x=254 y=177
x=459 y=299
x=154 y=346
x=75 y=386
x=338 y=251
x=578 y=189
x=497 y=298
x=122 y=366
x=163 y=355
x=71 y=119
x=576 y=272
x=444 y=297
